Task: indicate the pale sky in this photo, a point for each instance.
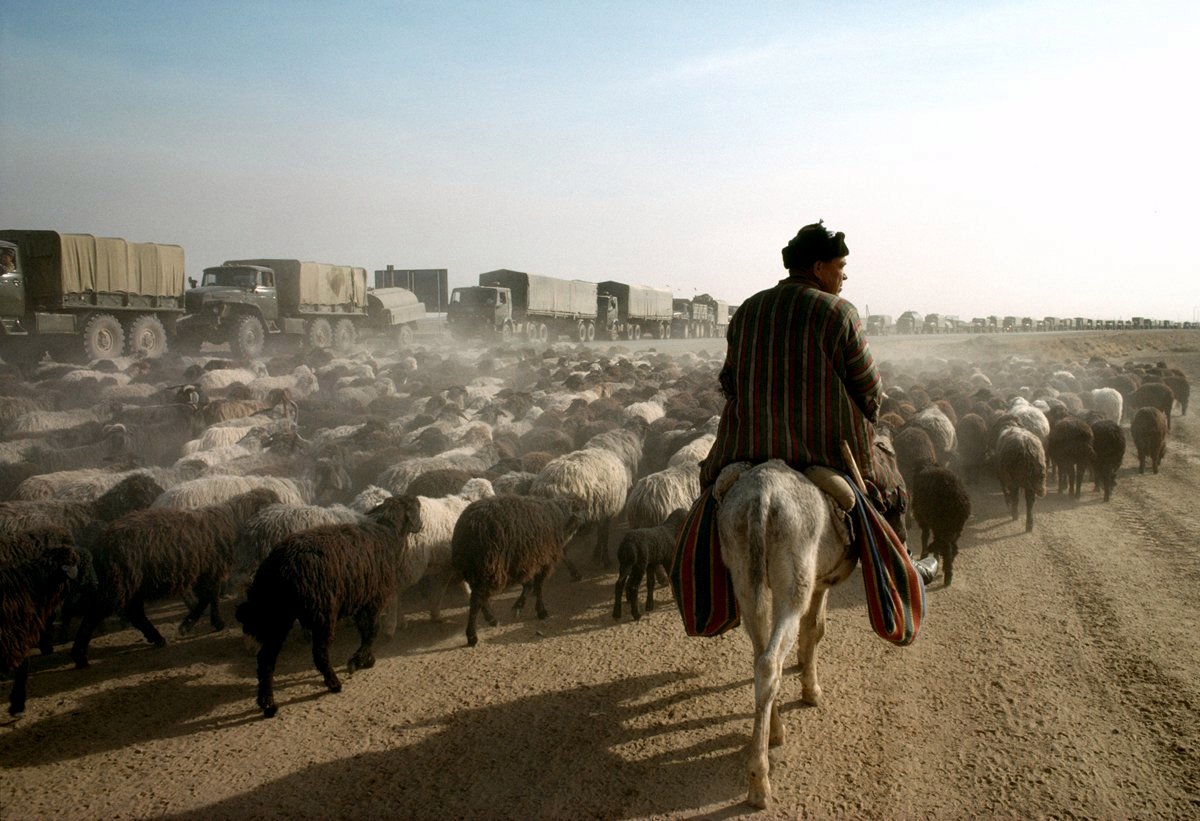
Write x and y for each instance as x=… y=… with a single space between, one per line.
x=1025 y=158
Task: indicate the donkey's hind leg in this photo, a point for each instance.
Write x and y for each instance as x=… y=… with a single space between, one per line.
x=812 y=630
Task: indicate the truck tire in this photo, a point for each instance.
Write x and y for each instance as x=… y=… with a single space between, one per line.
x=147 y=337
x=581 y=331
x=248 y=338
x=344 y=335
x=103 y=337
x=591 y=331
x=635 y=332
x=320 y=333
x=506 y=332
x=405 y=335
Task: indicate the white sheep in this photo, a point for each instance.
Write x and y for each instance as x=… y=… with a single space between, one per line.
x=301 y=383
x=1107 y=402
x=213 y=490
x=653 y=497
x=216 y=383
x=940 y=430
x=598 y=479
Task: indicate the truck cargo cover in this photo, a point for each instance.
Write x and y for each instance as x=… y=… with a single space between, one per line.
x=56 y=264
x=543 y=295
x=639 y=302
x=302 y=284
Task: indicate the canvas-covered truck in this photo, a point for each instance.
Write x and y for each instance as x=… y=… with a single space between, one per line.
x=77 y=294
x=246 y=301
x=632 y=311
x=718 y=314
x=513 y=303
x=692 y=319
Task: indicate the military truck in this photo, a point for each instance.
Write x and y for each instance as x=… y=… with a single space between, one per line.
x=246 y=301
x=513 y=303
x=631 y=311
x=692 y=319
x=80 y=295
x=880 y=324
x=719 y=314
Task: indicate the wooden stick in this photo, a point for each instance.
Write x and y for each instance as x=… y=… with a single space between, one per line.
x=849 y=457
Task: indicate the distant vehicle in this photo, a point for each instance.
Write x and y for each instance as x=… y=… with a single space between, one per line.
x=692 y=319
x=632 y=311
x=1009 y=324
x=719 y=313
x=880 y=324
x=910 y=322
x=243 y=302
x=1050 y=323
x=77 y=294
x=513 y=303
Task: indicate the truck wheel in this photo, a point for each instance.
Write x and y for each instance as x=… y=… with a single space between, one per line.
x=636 y=332
x=543 y=333
x=344 y=335
x=664 y=330
x=147 y=337
x=248 y=338
x=506 y=333
x=581 y=331
x=405 y=336
x=320 y=333
x=103 y=337
x=591 y=331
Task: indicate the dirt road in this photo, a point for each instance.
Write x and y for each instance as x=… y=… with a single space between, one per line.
x=1057 y=677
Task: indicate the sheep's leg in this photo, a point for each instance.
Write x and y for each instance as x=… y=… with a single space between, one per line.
x=16 y=699
x=650 y=581
x=364 y=658
x=472 y=614
x=435 y=592
x=924 y=540
x=812 y=630
x=136 y=612
x=619 y=590
x=601 y=552
x=1013 y=497
x=519 y=604
x=948 y=563
x=83 y=637
x=632 y=586
x=542 y=612
x=267 y=655
x=1029 y=496
x=322 y=637
x=389 y=619
x=486 y=606
x=572 y=569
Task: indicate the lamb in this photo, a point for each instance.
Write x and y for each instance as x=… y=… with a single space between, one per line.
x=1154 y=395
x=1149 y=429
x=599 y=480
x=1108 y=442
x=323 y=574
x=30 y=591
x=508 y=539
x=155 y=553
x=642 y=551
x=1020 y=465
x=1069 y=447
x=941 y=507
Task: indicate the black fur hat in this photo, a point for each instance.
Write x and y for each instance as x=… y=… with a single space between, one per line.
x=813 y=243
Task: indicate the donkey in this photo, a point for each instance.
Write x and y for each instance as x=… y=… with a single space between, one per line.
x=784 y=552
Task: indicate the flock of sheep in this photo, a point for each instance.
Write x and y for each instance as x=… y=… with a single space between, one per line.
x=316 y=490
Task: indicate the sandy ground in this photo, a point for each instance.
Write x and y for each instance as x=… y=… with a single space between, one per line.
x=1056 y=678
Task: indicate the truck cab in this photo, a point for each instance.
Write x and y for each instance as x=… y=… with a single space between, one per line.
x=12 y=289
x=226 y=286
x=479 y=308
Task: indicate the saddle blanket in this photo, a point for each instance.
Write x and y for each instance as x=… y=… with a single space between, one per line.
x=704 y=592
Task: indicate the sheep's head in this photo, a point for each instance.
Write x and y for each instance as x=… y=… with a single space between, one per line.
x=400 y=512
x=245 y=505
x=134 y=492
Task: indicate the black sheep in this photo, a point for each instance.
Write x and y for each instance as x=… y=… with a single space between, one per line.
x=320 y=575
x=1149 y=429
x=1153 y=395
x=1108 y=442
x=30 y=592
x=972 y=434
x=160 y=552
x=1069 y=447
x=642 y=551
x=941 y=506
x=506 y=539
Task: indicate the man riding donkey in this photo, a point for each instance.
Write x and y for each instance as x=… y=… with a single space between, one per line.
x=801 y=386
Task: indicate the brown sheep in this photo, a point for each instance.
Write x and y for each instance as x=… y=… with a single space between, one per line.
x=160 y=552
x=1149 y=429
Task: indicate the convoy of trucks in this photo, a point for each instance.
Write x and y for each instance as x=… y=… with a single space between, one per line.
x=513 y=303
x=79 y=295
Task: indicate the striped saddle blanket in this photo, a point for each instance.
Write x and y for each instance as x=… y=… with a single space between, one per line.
x=704 y=592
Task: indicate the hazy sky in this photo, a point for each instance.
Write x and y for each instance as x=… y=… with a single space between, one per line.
x=1025 y=158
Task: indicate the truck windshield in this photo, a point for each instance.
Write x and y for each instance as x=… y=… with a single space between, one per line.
x=8 y=260
x=473 y=296
x=238 y=277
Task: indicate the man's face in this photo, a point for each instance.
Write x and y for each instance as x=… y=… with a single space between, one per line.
x=830 y=274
